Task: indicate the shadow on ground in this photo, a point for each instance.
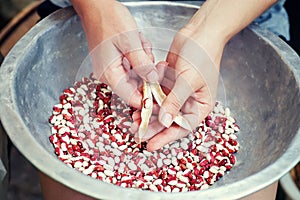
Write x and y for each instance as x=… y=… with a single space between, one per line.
x=23 y=180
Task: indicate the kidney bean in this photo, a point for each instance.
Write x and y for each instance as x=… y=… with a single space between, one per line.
x=90 y=133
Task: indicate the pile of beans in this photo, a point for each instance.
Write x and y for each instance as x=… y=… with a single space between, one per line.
x=90 y=133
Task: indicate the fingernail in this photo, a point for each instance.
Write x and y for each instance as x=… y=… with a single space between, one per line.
x=167 y=120
x=152 y=76
x=154 y=146
x=163 y=63
x=148 y=50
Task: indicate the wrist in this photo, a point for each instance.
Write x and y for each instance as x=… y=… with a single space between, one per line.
x=92 y=13
x=89 y=7
x=212 y=41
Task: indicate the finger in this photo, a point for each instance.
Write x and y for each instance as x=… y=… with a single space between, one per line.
x=130 y=45
x=175 y=48
x=132 y=97
x=153 y=119
x=167 y=85
x=136 y=120
x=171 y=72
x=103 y=57
x=155 y=109
x=171 y=106
x=197 y=107
x=124 y=87
x=168 y=80
x=161 y=68
x=135 y=126
x=165 y=137
x=136 y=115
x=143 y=65
x=191 y=112
x=172 y=58
x=108 y=68
x=126 y=64
x=147 y=46
x=154 y=128
x=131 y=73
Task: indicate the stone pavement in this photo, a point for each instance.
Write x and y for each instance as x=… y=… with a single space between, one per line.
x=23 y=179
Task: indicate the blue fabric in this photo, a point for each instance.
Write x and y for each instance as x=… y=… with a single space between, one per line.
x=274 y=19
x=61 y=3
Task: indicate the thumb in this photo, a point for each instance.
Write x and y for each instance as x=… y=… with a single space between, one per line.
x=171 y=106
x=131 y=45
x=142 y=64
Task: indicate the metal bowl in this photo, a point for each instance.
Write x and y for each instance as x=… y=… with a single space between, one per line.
x=260 y=75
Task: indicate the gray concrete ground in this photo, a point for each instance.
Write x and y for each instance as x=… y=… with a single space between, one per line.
x=23 y=179
x=9 y=8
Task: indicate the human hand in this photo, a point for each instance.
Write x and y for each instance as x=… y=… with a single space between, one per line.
x=195 y=56
x=190 y=81
x=116 y=47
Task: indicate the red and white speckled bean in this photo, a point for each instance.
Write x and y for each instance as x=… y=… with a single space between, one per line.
x=90 y=133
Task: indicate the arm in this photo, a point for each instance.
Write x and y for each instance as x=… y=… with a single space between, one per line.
x=217 y=21
x=112 y=35
x=101 y=19
x=195 y=54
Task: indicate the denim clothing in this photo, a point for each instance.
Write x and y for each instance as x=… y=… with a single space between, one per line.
x=274 y=19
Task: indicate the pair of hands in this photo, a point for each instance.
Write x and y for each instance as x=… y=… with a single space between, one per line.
x=122 y=58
